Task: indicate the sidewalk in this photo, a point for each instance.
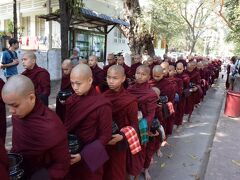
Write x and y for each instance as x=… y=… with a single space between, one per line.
x=224 y=160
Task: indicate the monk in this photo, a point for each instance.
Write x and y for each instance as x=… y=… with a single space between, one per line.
x=181 y=74
x=38 y=134
x=195 y=82
x=3 y=162
x=3 y=120
x=89 y=117
x=137 y=62
x=111 y=61
x=39 y=76
x=65 y=86
x=150 y=63
x=98 y=73
x=147 y=99
x=156 y=60
x=125 y=109
x=167 y=89
x=203 y=75
x=165 y=67
x=127 y=69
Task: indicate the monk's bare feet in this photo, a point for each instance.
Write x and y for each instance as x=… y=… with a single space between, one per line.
x=164 y=143
x=152 y=161
x=136 y=178
x=189 y=118
x=159 y=153
x=147 y=175
x=178 y=130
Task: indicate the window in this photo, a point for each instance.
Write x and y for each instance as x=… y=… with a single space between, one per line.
x=118 y=36
x=40 y=27
x=25 y=26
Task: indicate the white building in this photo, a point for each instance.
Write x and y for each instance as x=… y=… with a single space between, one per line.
x=38 y=34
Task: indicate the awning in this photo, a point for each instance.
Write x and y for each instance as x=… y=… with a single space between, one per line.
x=89 y=18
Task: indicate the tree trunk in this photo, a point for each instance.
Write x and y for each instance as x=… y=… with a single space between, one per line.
x=193 y=46
x=15 y=19
x=64 y=26
x=138 y=41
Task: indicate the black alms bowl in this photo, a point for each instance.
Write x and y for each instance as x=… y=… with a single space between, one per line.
x=63 y=95
x=15 y=162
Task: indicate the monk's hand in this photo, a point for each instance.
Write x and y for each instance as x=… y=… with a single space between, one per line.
x=152 y=135
x=75 y=158
x=194 y=89
x=115 y=138
x=1 y=65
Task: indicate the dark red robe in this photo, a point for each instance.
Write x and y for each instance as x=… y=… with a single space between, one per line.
x=65 y=85
x=3 y=120
x=134 y=68
x=181 y=104
x=147 y=99
x=167 y=88
x=3 y=162
x=41 y=80
x=98 y=77
x=195 y=97
x=89 y=117
x=125 y=109
x=41 y=139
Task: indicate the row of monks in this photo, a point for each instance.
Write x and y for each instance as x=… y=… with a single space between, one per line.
x=130 y=100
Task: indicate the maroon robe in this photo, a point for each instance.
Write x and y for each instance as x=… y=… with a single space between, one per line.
x=41 y=139
x=195 y=97
x=41 y=80
x=89 y=117
x=147 y=99
x=98 y=76
x=3 y=120
x=134 y=68
x=65 y=85
x=167 y=88
x=125 y=109
x=3 y=162
x=181 y=104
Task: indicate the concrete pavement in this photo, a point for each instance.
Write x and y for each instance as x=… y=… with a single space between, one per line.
x=224 y=161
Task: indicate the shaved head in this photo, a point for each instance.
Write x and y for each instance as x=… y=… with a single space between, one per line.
x=158 y=69
x=82 y=70
x=145 y=68
x=19 y=84
x=180 y=65
x=30 y=54
x=29 y=60
x=67 y=66
x=171 y=67
x=19 y=94
x=81 y=79
x=118 y=69
x=165 y=65
x=67 y=62
x=179 y=68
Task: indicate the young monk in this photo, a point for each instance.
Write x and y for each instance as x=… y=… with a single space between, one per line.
x=194 y=98
x=38 y=134
x=165 y=67
x=3 y=120
x=3 y=162
x=98 y=73
x=167 y=88
x=89 y=117
x=137 y=62
x=125 y=109
x=65 y=86
x=185 y=92
x=39 y=76
x=147 y=99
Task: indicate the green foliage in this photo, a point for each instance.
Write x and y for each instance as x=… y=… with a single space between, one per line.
x=10 y=27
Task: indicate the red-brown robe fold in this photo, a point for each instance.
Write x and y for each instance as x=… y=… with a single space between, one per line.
x=65 y=85
x=181 y=104
x=195 y=97
x=41 y=80
x=147 y=99
x=3 y=162
x=167 y=88
x=3 y=120
x=41 y=139
x=98 y=76
x=134 y=68
x=90 y=118
x=125 y=109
